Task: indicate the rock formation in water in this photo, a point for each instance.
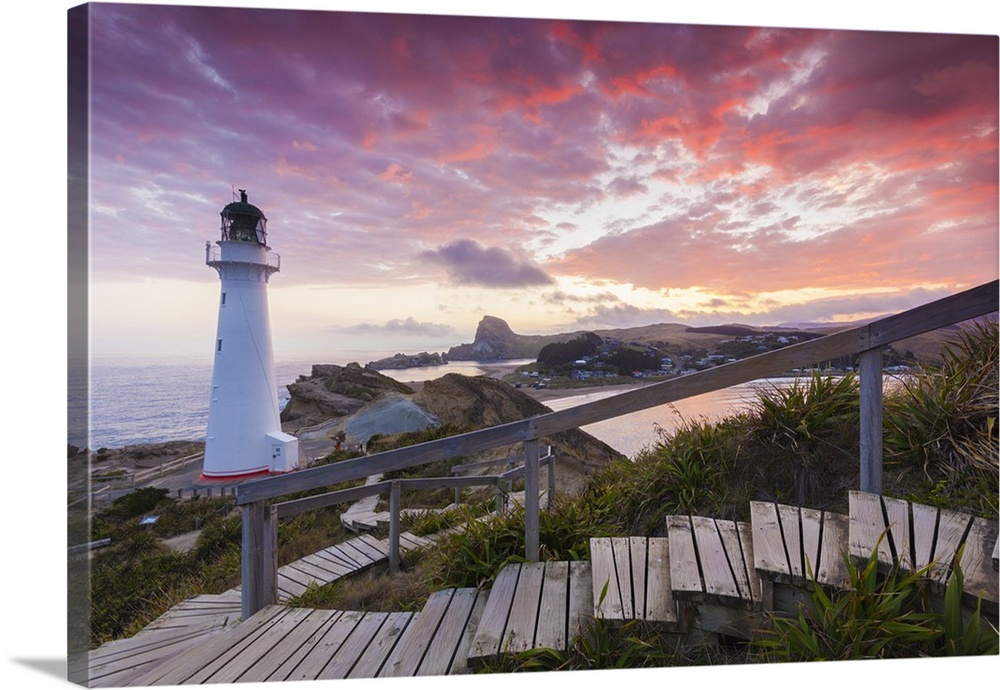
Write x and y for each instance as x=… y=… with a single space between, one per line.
x=401 y=361
x=494 y=340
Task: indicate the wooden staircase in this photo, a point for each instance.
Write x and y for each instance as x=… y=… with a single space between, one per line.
x=705 y=577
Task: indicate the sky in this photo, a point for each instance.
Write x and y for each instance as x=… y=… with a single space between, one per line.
x=163 y=170
x=418 y=172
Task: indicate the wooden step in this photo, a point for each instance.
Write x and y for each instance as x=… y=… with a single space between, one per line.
x=799 y=546
x=711 y=570
x=631 y=580
x=712 y=560
x=533 y=606
x=912 y=536
x=437 y=642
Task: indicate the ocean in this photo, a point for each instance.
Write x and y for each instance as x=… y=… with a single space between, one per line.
x=135 y=400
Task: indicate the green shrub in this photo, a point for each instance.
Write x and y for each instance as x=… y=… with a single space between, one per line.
x=941 y=432
x=878 y=617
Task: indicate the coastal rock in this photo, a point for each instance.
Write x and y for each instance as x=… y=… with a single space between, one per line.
x=401 y=361
x=335 y=391
x=494 y=340
x=480 y=401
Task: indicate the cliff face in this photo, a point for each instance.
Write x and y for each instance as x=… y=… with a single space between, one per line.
x=494 y=339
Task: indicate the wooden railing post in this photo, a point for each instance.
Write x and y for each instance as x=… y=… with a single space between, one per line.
x=269 y=570
x=252 y=559
x=394 y=496
x=531 y=499
x=870 y=388
x=552 y=476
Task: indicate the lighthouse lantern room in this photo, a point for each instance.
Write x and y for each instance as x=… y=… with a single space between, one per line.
x=244 y=434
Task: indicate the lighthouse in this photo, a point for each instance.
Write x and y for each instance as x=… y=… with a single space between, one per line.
x=244 y=436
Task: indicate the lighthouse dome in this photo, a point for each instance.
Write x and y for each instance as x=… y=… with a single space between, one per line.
x=244 y=222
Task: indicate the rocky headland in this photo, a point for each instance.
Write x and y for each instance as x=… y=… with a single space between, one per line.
x=401 y=361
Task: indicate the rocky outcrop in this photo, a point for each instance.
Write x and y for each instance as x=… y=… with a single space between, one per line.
x=481 y=401
x=335 y=391
x=401 y=361
x=494 y=340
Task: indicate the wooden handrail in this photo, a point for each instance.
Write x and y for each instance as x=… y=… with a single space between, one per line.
x=864 y=340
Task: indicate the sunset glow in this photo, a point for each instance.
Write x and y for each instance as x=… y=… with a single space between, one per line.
x=419 y=172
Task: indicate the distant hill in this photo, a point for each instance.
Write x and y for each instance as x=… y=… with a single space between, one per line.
x=494 y=339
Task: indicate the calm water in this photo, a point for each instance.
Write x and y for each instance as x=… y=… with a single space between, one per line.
x=631 y=433
x=151 y=400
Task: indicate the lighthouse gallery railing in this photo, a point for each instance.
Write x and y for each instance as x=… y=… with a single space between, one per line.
x=259 y=529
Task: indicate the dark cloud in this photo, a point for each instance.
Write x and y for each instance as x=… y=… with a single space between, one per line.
x=470 y=263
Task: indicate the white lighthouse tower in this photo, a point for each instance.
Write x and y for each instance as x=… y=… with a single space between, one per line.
x=244 y=428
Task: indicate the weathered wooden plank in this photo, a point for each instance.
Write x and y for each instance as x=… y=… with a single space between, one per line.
x=623 y=564
x=448 y=639
x=376 y=546
x=319 y=655
x=193 y=666
x=745 y=530
x=637 y=547
x=925 y=527
x=336 y=554
x=898 y=514
x=811 y=526
x=289 y=582
x=116 y=666
x=354 y=646
x=405 y=658
x=715 y=565
x=770 y=557
x=867 y=527
x=267 y=645
x=306 y=573
x=685 y=573
x=411 y=541
x=488 y=640
x=604 y=575
x=833 y=569
x=335 y=567
x=980 y=579
x=952 y=528
x=660 y=605
x=321 y=624
x=791 y=529
x=382 y=644
x=520 y=633
x=366 y=554
x=551 y=629
x=282 y=657
x=460 y=664
x=581 y=599
x=733 y=547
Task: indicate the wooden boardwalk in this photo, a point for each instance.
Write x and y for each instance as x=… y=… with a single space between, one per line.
x=706 y=576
